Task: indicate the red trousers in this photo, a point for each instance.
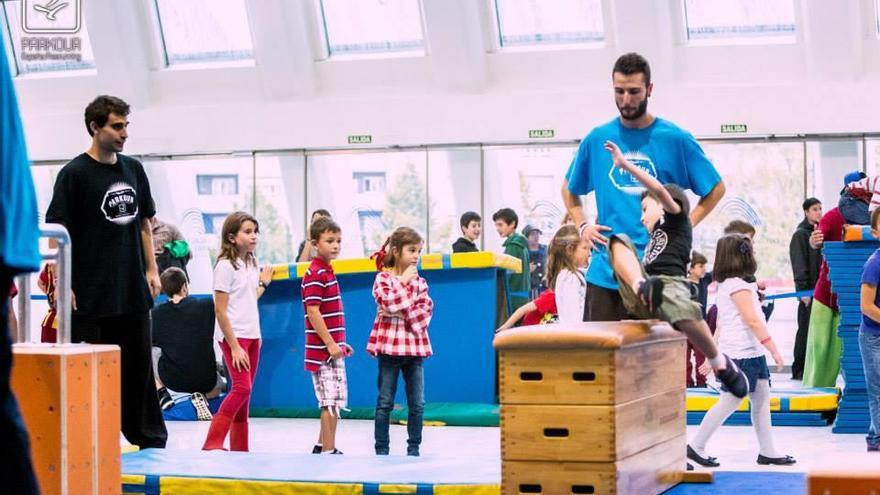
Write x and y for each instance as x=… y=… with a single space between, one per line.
x=232 y=418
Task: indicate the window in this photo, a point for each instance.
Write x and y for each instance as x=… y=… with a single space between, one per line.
x=214 y=222
x=370 y=182
x=371 y=27
x=177 y=186
x=766 y=20
x=280 y=206
x=204 y=31
x=765 y=187
x=344 y=184
x=872 y=156
x=877 y=16
x=527 y=179
x=453 y=188
x=542 y=23
x=217 y=184
x=48 y=51
x=827 y=164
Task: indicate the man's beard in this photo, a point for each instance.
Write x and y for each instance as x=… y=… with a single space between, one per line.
x=640 y=111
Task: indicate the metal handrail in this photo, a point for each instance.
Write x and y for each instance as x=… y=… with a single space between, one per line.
x=63 y=269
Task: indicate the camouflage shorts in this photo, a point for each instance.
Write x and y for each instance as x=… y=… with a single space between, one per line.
x=676 y=305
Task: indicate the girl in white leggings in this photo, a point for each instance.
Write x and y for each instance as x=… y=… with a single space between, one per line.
x=742 y=335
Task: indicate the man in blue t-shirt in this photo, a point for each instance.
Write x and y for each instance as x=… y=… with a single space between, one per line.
x=659 y=147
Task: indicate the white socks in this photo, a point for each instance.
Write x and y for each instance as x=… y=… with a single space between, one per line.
x=726 y=405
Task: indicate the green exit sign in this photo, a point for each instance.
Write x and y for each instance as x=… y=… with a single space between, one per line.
x=360 y=139
x=541 y=133
x=734 y=129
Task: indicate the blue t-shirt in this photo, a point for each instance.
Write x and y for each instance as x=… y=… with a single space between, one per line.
x=871 y=276
x=19 y=233
x=664 y=150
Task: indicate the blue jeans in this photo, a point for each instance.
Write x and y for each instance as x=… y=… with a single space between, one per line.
x=869 y=344
x=414 y=379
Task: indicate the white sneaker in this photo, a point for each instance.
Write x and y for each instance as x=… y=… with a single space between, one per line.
x=203 y=412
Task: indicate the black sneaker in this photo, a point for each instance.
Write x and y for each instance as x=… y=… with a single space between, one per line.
x=334 y=452
x=165 y=400
x=707 y=461
x=785 y=460
x=317 y=449
x=733 y=379
x=651 y=292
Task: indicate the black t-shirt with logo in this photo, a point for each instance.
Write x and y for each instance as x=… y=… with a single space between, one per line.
x=185 y=333
x=669 y=245
x=102 y=207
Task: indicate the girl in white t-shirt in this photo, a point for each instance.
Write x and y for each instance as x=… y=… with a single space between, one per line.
x=742 y=334
x=238 y=283
x=567 y=255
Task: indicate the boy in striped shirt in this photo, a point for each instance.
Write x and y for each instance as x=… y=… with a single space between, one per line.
x=325 y=347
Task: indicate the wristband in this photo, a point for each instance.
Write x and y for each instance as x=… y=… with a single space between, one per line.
x=581 y=228
x=766 y=339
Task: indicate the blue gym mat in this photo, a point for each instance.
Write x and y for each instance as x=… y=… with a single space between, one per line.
x=736 y=483
x=218 y=472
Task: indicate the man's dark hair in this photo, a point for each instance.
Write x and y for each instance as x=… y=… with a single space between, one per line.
x=100 y=108
x=468 y=217
x=321 y=225
x=633 y=63
x=810 y=202
x=506 y=214
x=172 y=280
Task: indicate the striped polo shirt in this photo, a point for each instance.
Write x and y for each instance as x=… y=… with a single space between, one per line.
x=320 y=288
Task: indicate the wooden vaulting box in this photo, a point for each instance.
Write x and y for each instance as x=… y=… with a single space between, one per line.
x=69 y=398
x=590 y=408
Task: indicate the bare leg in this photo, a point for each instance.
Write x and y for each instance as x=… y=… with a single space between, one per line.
x=626 y=265
x=697 y=332
x=328 y=430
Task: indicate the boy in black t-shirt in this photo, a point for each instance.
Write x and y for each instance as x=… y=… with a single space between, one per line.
x=471 y=225
x=660 y=288
x=183 y=328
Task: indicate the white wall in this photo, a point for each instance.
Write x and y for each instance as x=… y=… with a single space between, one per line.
x=463 y=91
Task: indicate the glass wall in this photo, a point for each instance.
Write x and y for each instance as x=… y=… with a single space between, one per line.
x=527 y=179
x=369 y=194
x=454 y=177
x=196 y=194
x=765 y=187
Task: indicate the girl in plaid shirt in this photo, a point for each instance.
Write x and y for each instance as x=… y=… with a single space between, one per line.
x=399 y=339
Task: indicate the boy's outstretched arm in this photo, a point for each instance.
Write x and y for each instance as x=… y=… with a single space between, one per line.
x=651 y=184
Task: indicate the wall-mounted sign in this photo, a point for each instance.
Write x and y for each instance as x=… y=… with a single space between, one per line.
x=734 y=129
x=360 y=139
x=541 y=133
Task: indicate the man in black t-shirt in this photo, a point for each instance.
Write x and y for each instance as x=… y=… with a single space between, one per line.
x=103 y=199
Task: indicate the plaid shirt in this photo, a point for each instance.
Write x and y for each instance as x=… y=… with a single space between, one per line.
x=320 y=288
x=405 y=332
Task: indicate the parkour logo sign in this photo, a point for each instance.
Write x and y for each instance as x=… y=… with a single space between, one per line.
x=53 y=22
x=51 y=16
